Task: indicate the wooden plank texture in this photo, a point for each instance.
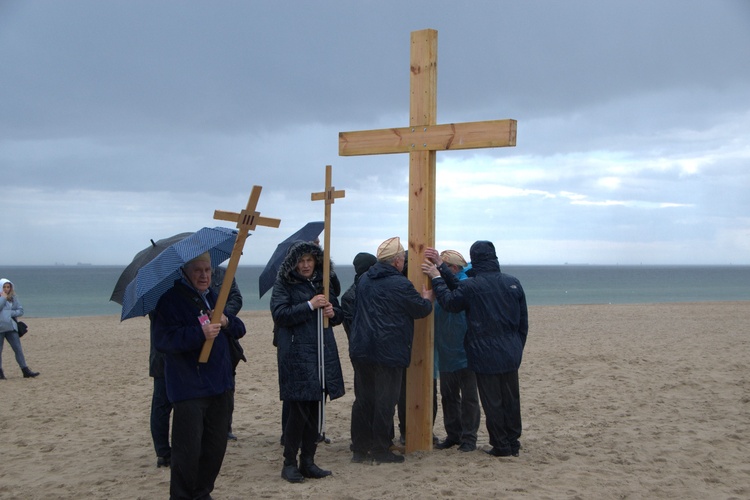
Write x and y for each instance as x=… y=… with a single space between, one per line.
x=444 y=137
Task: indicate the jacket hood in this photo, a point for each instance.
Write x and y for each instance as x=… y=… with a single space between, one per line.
x=4 y=281
x=288 y=268
x=483 y=257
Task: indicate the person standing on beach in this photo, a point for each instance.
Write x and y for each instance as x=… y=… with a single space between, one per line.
x=10 y=309
x=296 y=302
x=161 y=408
x=199 y=392
x=498 y=324
x=362 y=262
x=458 y=384
x=386 y=306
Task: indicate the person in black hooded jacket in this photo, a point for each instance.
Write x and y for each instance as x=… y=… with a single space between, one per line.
x=297 y=296
x=497 y=326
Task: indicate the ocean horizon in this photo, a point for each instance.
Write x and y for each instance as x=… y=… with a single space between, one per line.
x=84 y=290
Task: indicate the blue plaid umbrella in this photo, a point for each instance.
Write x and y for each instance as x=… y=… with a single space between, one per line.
x=159 y=275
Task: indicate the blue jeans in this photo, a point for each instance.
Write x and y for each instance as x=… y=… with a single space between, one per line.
x=15 y=342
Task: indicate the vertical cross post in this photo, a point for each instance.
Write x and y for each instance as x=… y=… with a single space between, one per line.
x=329 y=195
x=421 y=139
x=246 y=221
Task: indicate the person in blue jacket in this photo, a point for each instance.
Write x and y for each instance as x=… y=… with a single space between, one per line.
x=161 y=408
x=296 y=300
x=386 y=306
x=199 y=392
x=10 y=310
x=458 y=384
x=498 y=324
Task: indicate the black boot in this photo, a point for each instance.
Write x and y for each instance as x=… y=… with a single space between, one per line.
x=28 y=373
x=2 y=375
x=291 y=473
x=308 y=469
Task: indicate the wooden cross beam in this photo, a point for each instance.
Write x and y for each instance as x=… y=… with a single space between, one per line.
x=421 y=139
x=329 y=195
x=246 y=221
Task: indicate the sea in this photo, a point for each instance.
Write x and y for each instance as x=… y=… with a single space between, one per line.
x=84 y=290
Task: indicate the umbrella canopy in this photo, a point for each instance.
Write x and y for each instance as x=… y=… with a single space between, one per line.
x=141 y=259
x=309 y=232
x=158 y=275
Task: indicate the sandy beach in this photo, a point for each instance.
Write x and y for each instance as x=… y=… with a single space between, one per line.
x=618 y=401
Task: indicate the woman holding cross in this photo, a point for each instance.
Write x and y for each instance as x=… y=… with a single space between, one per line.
x=296 y=302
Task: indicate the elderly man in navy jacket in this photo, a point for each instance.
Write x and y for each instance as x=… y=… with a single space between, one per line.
x=199 y=392
x=382 y=331
x=498 y=323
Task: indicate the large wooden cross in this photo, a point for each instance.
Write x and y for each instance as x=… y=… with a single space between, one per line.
x=329 y=195
x=246 y=221
x=421 y=139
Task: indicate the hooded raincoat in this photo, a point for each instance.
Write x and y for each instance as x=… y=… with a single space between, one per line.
x=9 y=310
x=296 y=327
x=496 y=313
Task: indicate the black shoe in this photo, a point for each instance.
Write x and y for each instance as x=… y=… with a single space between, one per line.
x=360 y=457
x=2 y=375
x=27 y=373
x=467 y=447
x=312 y=471
x=292 y=474
x=231 y=437
x=388 y=457
x=447 y=443
x=323 y=439
x=163 y=462
x=499 y=452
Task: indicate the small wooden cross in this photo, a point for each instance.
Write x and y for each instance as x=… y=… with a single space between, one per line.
x=421 y=139
x=329 y=195
x=246 y=221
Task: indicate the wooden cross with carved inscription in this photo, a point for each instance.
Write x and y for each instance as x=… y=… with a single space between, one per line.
x=246 y=221
x=329 y=195
x=421 y=139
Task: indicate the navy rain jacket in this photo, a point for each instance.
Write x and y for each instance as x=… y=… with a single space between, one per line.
x=386 y=306
x=296 y=330
x=179 y=336
x=496 y=313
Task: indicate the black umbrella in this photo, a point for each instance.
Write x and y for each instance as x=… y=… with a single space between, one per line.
x=141 y=259
x=309 y=232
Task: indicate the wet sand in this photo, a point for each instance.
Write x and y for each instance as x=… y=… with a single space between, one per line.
x=618 y=401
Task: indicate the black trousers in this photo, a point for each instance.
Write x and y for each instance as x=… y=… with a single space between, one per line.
x=375 y=399
x=199 y=441
x=301 y=431
x=161 y=409
x=501 y=401
x=461 y=412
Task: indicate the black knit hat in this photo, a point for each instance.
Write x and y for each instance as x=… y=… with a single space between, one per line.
x=362 y=262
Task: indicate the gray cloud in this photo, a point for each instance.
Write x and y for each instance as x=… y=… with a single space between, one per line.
x=631 y=145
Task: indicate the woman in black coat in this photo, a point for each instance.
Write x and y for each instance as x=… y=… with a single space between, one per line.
x=297 y=296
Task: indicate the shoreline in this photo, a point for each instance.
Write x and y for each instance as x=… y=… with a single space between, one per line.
x=250 y=311
x=621 y=400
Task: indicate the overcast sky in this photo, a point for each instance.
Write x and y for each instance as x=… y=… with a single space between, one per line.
x=122 y=121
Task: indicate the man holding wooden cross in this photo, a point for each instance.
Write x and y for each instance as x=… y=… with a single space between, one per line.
x=200 y=393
